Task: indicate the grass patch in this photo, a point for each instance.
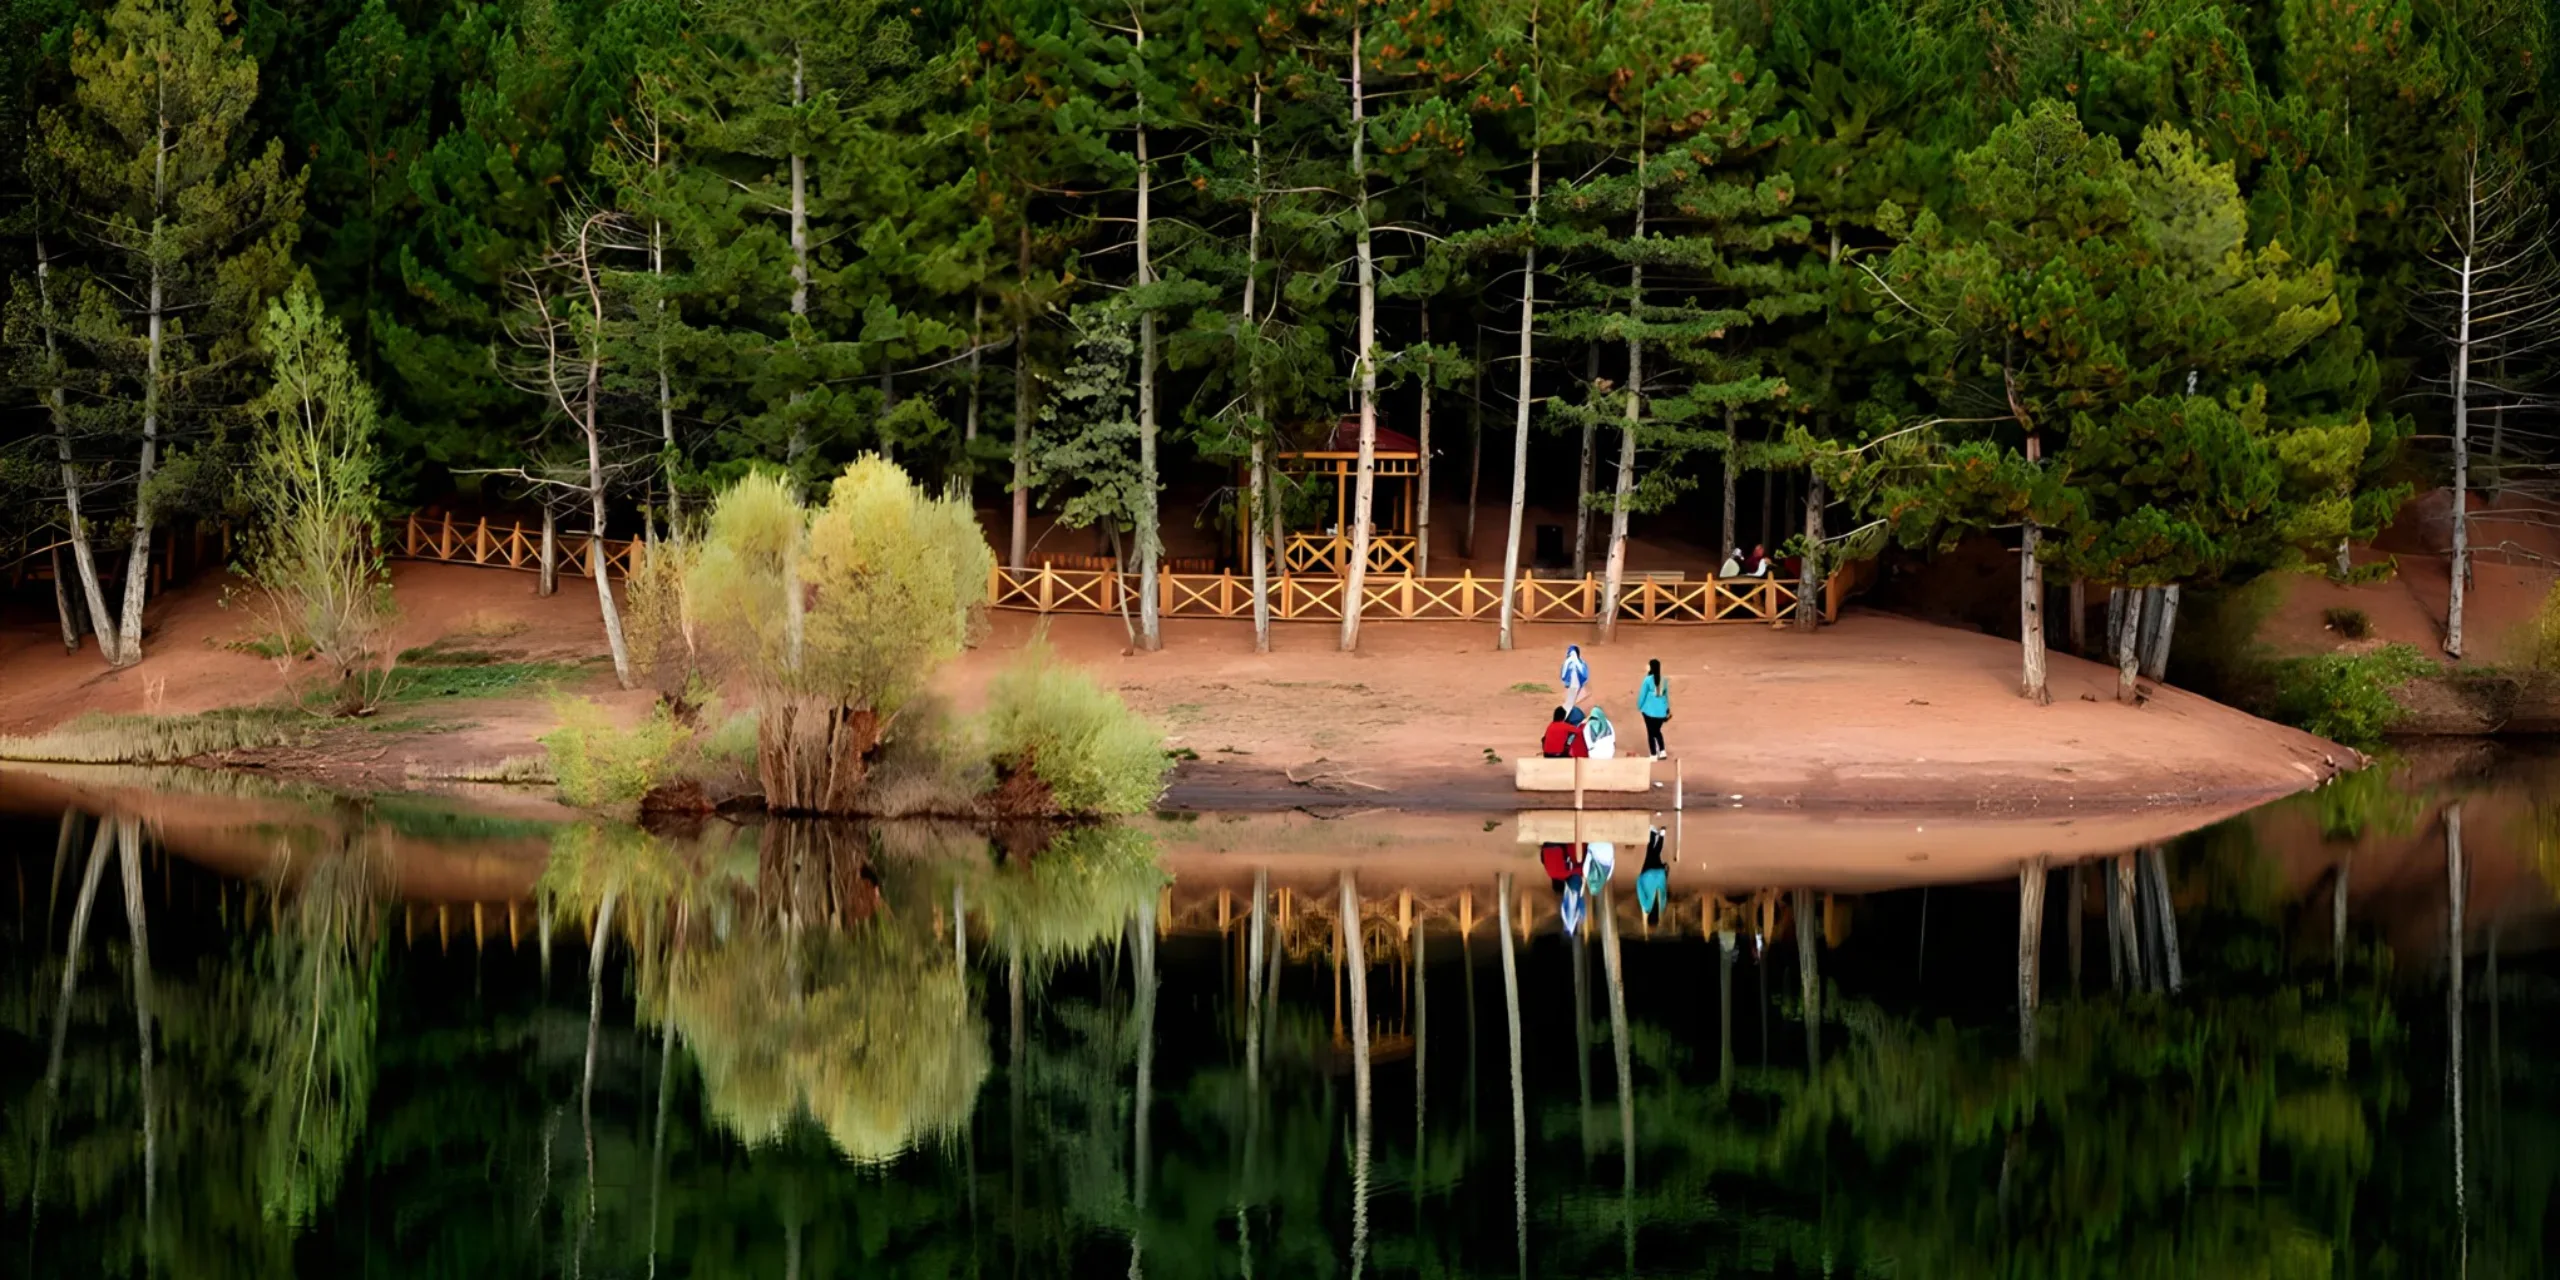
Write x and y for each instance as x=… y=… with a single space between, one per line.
x=137 y=739
x=410 y=684
x=271 y=647
x=512 y=771
x=1529 y=686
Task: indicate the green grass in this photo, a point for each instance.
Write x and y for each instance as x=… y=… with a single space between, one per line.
x=430 y=820
x=138 y=739
x=410 y=684
x=1528 y=686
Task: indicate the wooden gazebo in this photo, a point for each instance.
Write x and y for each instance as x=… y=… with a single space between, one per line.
x=1397 y=459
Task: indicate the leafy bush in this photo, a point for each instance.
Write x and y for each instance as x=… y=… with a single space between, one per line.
x=597 y=765
x=1078 y=738
x=2342 y=696
x=2351 y=623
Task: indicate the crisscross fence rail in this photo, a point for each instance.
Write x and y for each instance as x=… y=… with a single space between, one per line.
x=508 y=546
x=1466 y=598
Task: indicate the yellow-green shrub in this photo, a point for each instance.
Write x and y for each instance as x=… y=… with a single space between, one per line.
x=598 y=765
x=1095 y=755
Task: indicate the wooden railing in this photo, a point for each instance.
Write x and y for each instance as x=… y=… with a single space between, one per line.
x=1048 y=589
x=1389 y=553
x=509 y=546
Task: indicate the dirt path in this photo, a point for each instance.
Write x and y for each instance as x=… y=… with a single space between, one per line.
x=1877 y=711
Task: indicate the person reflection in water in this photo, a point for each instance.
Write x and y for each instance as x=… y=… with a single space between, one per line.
x=1653 y=879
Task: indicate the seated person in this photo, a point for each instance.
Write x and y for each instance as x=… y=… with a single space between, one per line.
x=1758 y=565
x=1563 y=740
x=1732 y=566
x=1600 y=735
x=1562 y=862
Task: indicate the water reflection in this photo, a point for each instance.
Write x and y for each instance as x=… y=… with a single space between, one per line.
x=2308 y=1043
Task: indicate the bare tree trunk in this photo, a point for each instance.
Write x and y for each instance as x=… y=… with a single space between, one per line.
x=1475 y=449
x=1809 y=589
x=137 y=565
x=2079 y=605
x=1422 y=468
x=1365 y=484
x=2461 y=566
x=2166 y=911
x=2128 y=631
x=1142 y=929
x=547 y=582
x=62 y=602
x=137 y=932
x=2457 y=892
x=1358 y=960
x=1511 y=1011
x=2031 y=878
x=1724 y=466
x=1520 y=426
x=81 y=907
x=1809 y=975
x=1150 y=536
x=1020 y=545
x=1768 y=505
x=2155 y=661
x=666 y=394
x=75 y=525
x=1582 y=487
x=1257 y=481
x=800 y=274
x=1617 y=561
x=596 y=559
x=2031 y=681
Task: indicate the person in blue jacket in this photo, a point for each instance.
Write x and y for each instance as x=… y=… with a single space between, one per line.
x=1653 y=702
x=1575 y=675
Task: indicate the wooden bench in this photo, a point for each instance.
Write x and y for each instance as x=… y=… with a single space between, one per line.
x=1576 y=826
x=1577 y=775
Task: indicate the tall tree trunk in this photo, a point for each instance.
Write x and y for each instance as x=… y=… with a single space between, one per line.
x=2031 y=878
x=1019 y=547
x=2461 y=565
x=1626 y=485
x=1725 y=468
x=1810 y=585
x=1358 y=960
x=977 y=341
x=1142 y=929
x=2165 y=911
x=2128 y=654
x=1768 y=504
x=1150 y=536
x=62 y=601
x=597 y=561
x=2079 y=621
x=1809 y=976
x=1365 y=483
x=1257 y=486
x=2073 y=925
x=666 y=395
x=2457 y=877
x=1621 y=1057
x=1520 y=416
x=1511 y=1012
x=1422 y=467
x=800 y=273
x=1579 y=944
x=138 y=935
x=137 y=565
x=81 y=906
x=1421 y=1049
x=2031 y=681
x=1582 y=487
x=2155 y=660
x=1255 y=937
x=75 y=525
x=547 y=580
x=1475 y=449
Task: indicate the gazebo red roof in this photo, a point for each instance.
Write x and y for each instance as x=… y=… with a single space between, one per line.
x=1346 y=439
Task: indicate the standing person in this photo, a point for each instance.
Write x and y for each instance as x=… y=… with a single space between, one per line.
x=1575 y=675
x=1653 y=879
x=1653 y=702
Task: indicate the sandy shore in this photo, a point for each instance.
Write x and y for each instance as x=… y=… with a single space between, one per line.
x=1877 y=712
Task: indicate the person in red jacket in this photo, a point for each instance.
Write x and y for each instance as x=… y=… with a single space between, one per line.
x=1564 y=739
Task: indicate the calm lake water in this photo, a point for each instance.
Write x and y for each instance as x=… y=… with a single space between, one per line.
x=255 y=1031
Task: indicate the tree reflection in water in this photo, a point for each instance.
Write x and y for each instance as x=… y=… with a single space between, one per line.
x=770 y=1046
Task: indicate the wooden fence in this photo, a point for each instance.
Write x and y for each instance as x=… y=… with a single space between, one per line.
x=510 y=546
x=1048 y=589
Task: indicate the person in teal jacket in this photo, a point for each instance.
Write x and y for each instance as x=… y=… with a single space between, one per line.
x=1653 y=879
x=1653 y=702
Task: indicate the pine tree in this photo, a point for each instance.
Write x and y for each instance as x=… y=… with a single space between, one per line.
x=190 y=227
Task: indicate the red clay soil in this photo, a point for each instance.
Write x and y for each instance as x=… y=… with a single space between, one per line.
x=2516 y=562
x=1876 y=711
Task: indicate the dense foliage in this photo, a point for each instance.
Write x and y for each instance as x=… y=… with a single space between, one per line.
x=2151 y=281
